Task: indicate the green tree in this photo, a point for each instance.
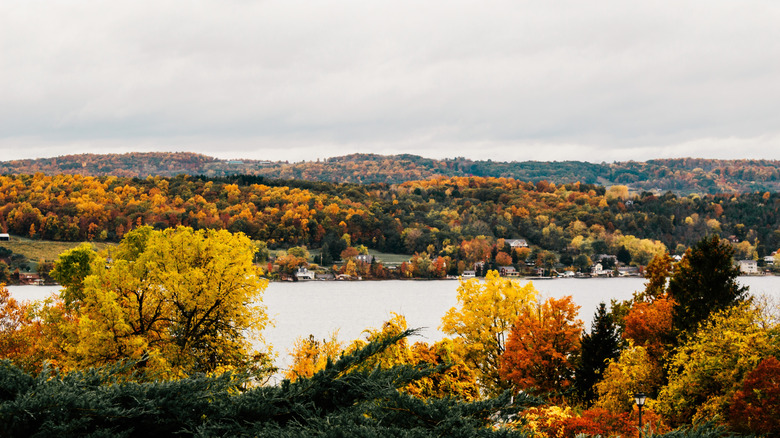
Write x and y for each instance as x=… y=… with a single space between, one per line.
x=624 y=255
x=597 y=348
x=343 y=399
x=72 y=267
x=704 y=281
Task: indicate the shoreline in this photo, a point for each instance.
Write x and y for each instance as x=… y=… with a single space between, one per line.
x=535 y=278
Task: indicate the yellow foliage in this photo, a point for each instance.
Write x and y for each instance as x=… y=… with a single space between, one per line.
x=310 y=355
x=632 y=372
x=177 y=301
x=710 y=366
x=485 y=317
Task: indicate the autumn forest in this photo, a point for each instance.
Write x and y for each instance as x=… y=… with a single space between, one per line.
x=159 y=331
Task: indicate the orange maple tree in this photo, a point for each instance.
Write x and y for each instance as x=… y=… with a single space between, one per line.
x=541 y=347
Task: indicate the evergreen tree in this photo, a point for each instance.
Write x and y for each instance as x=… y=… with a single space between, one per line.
x=597 y=348
x=704 y=281
x=623 y=255
x=325 y=257
x=344 y=399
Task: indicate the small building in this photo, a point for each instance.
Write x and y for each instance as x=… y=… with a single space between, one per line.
x=365 y=258
x=628 y=271
x=770 y=259
x=508 y=271
x=567 y=274
x=516 y=243
x=468 y=274
x=5 y=237
x=304 y=273
x=30 y=279
x=748 y=267
x=599 y=271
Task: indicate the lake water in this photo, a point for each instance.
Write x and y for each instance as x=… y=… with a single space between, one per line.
x=320 y=307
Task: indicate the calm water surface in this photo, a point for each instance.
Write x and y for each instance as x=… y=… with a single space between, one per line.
x=321 y=307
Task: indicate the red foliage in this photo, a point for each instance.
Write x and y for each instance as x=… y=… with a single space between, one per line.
x=599 y=421
x=755 y=408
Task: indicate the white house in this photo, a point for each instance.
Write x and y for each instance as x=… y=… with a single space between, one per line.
x=468 y=274
x=516 y=243
x=365 y=258
x=599 y=271
x=304 y=274
x=5 y=236
x=748 y=266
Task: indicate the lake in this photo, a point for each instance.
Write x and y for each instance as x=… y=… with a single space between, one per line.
x=320 y=307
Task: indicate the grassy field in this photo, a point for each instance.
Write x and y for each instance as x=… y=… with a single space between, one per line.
x=48 y=250
x=390 y=258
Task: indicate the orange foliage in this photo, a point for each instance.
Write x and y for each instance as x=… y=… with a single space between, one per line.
x=650 y=325
x=540 y=349
x=24 y=339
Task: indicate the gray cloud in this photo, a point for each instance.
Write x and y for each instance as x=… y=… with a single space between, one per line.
x=611 y=80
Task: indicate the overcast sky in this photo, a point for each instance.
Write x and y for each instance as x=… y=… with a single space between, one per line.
x=293 y=80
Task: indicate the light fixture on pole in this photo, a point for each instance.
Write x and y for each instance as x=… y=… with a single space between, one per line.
x=640 y=398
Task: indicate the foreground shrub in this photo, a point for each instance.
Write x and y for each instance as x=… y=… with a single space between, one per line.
x=343 y=399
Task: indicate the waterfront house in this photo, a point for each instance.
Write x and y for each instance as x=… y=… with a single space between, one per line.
x=304 y=273
x=748 y=267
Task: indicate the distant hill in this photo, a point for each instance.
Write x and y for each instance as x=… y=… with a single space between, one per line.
x=682 y=176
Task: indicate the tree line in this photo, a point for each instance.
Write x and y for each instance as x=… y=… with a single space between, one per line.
x=451 y=218
x=681 y=176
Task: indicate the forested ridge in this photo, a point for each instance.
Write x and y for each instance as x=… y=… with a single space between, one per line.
x=439 y=216
x=681 y=175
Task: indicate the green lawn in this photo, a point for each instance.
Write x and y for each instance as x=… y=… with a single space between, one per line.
x=390 y=258
x=48 y=250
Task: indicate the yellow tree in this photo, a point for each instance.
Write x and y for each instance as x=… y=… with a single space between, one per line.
x=632 y=372
x=310 y=355
x=455 y=379
x=710 y=366
x=485 y=317
x=178 y=301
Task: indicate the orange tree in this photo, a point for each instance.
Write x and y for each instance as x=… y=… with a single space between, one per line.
x=542 y=346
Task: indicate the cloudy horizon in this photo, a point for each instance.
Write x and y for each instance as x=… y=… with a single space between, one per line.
x=292 y=80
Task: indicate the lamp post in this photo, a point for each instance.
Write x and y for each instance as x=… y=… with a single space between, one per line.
x=640 y=398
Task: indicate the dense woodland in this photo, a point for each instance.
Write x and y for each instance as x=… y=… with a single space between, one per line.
x=681 y=176
x=445 y=225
